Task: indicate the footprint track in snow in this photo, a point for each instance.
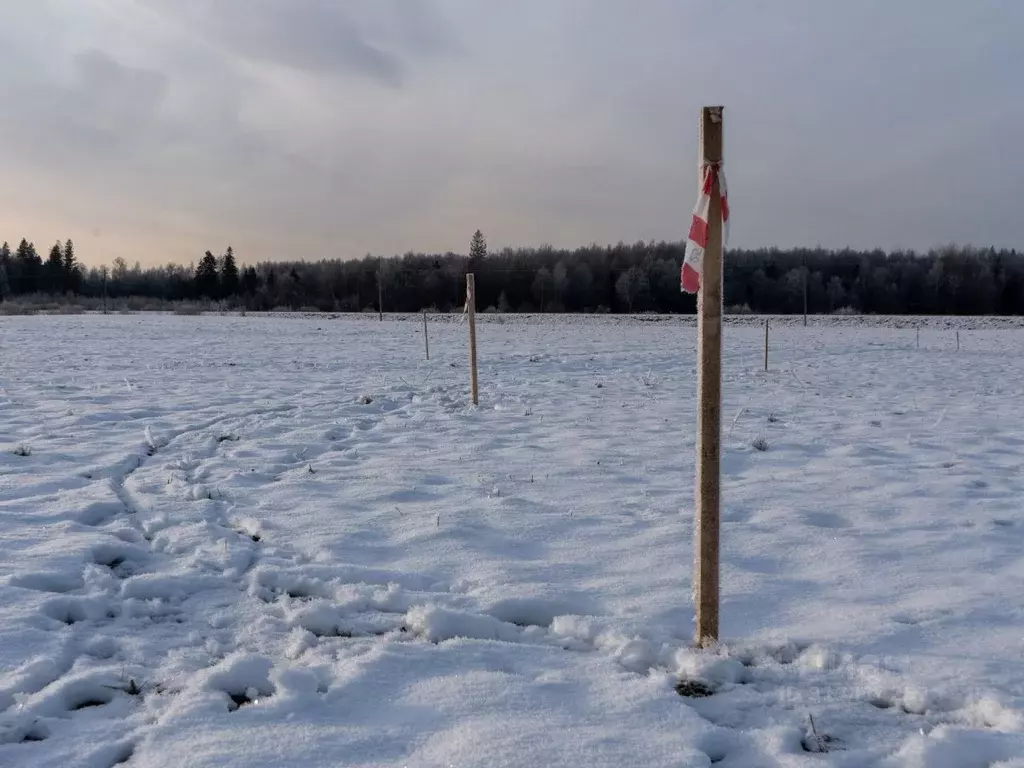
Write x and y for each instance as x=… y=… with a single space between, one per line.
x=127 y=556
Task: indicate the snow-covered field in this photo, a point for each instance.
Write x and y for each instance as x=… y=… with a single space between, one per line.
x=272 y=541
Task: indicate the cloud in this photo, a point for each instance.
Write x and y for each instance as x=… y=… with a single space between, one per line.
x=333 y=37
x=336 y=127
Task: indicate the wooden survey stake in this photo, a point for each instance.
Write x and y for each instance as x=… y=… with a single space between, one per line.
x=426 y=338
x=709 y=392
x=471 y=311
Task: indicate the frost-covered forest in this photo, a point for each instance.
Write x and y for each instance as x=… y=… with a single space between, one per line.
x=642 y=277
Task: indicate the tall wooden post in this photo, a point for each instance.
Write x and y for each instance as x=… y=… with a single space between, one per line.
x=709 y=391
x=471 y=311
x=426 y=338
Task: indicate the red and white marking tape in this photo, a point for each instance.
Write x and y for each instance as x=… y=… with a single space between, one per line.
x=697 y=241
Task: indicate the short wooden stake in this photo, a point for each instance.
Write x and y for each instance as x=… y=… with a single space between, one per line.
x=919 y=337
x=709 y=391
x=766 y=344
x=958 y=341
x=471 y=311
x=426 y=338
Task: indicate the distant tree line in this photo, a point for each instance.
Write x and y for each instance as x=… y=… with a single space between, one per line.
x=24 y=271
x=642 y=277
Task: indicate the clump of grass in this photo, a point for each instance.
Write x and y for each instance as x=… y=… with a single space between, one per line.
x=650 y=381
x=815 y=742
x=759 y=444
x=23 y=450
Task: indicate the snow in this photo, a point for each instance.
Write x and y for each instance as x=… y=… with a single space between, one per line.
x=291 y=541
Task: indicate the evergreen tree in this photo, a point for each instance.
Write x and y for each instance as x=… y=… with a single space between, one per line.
x=250 y=282
x=29 y=268
x=229 y=274
x=477 y=250
x=53 y=271
x=104 y=278
x=207 y=282
x=5 y=271
x=72 y=275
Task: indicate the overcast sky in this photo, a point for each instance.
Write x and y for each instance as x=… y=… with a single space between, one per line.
x=155 y=129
